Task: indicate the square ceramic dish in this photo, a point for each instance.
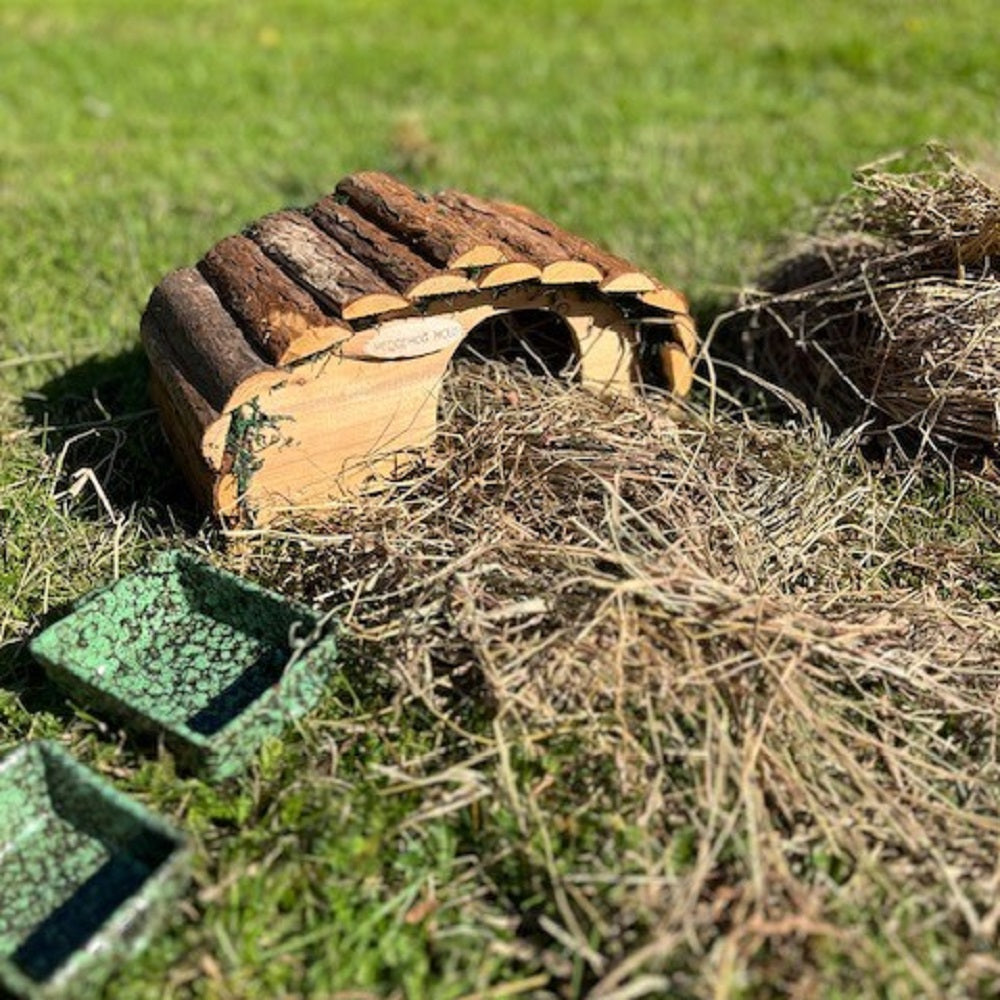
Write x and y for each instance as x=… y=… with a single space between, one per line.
x=86 y=874
x=207 y=660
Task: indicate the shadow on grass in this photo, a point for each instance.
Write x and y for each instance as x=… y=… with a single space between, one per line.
x=22 y=676
x=733 y=376
x=97 y=416
x=27 y=681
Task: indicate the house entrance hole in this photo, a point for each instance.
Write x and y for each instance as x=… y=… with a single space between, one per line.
x=536 y=340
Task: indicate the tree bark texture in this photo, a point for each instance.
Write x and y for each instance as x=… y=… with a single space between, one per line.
x=280 y=318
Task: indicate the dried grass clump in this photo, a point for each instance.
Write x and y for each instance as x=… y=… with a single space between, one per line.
x=720 y=703
x=890 y=314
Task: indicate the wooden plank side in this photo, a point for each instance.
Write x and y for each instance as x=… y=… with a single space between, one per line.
x=384 y=412
x=214 y=354
x=280 y=318
x=308 y=255
x=423 y=224
x=402 y=269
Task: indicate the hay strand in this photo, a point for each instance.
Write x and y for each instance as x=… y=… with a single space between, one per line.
x=890 y=313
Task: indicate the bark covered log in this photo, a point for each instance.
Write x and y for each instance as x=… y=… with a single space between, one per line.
x=422 y=223
x=520 y=241
x=406 y=272
x=330 y=273
x=186 y=415
x=198 y=474
x=219 y=363
x=280 y=318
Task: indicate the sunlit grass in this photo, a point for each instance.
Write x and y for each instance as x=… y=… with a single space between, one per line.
x=401 y=843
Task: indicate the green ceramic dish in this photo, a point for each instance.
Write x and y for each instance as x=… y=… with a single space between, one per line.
x=86 y=874
x=209 y=661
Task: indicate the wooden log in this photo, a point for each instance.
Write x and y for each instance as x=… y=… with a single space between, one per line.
x=198 y=474
x=400 y=268
x=665 y=299
x=520 y=241
x=676 y=368
x=421 y=223
x=340 y=282
x=686 y=334
x=617 y=274
x=189 y=420
x=511 y=272
x=279 y=317
x=221 y=366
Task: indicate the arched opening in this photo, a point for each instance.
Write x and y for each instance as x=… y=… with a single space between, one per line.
x=536 y=340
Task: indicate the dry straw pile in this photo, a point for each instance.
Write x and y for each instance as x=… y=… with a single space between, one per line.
x=890 y=314
x=712 y=704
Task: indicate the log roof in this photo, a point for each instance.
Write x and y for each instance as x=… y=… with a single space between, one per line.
x=300 y=281
x=297 y=281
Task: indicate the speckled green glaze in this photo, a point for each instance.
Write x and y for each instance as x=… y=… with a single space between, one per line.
x=212 y=662
x=86 y=874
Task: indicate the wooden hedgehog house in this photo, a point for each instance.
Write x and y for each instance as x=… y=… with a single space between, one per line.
x=304 y=357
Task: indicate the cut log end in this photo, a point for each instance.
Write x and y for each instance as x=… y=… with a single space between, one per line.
x=676 y=369
x=665 y=299
x=373 y=305
x=629 y=281
x=478 y=256
x=510 y=273
x=442 y=283
x=292 y=339
x=686 y=334
x=303 y=339
x=570 y=272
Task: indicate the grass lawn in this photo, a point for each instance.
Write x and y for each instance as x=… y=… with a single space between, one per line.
x=790 y=784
